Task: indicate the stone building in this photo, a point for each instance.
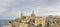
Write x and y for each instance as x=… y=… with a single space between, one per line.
x=28 y=21
x=35 y=21
x=53 y=21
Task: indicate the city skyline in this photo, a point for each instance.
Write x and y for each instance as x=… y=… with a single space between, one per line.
x=11 y=9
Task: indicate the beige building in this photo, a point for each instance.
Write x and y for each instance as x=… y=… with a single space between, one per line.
x=28 y=21
x=35 y=21
x=40 y=21
x=23 y=25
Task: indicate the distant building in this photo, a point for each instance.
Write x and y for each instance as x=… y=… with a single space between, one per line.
x=34 y=21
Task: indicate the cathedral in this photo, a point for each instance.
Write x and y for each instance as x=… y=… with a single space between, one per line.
x=34 y=21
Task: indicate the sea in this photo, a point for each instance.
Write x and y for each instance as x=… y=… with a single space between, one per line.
x=3 y=22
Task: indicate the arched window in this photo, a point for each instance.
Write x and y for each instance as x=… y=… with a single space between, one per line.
x=40 y=25
x=47 y=24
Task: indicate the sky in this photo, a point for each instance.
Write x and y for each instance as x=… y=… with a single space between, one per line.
x=11 y=9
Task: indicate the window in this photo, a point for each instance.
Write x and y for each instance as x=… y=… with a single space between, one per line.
x=53 y=21
x=40 y=25
x=20 y=22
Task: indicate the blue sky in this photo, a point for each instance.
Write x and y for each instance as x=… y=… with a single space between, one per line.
x=11 y=9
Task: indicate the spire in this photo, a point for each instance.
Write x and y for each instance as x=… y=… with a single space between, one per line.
x=33 y=14
x=21 y=14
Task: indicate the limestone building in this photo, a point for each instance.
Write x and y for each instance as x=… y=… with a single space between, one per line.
x=35 y=21
x=28 y=21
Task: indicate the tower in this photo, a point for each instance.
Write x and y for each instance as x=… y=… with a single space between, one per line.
x=21 y=14
x=33 y=14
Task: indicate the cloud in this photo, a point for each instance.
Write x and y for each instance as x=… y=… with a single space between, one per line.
x=12 y=8
x=2 y=10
